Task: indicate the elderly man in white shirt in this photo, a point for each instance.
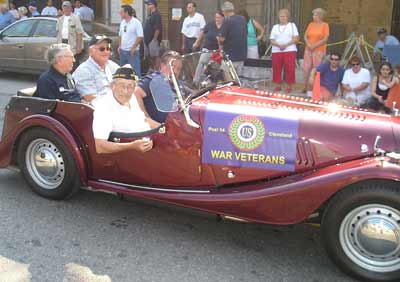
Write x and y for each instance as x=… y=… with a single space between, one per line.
x=49 y=10
x=119 y=112
x=93 y=77
x=191 y=27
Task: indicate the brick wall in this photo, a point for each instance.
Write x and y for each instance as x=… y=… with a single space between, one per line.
x=360 y=16
x=163 y=8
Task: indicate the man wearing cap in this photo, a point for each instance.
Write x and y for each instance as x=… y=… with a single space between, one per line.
x=93 y=77
x=6 y=18
x=384 y=39
x=143 y=91
x=70 y=31
x=130 y=38
x=233 y=36
x=49 y=10
x=57 y=82
x=119 y=112
x=32 y=7
x=153 y=33
x=191 y=27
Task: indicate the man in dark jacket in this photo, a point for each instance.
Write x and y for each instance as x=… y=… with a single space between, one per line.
x=57 y=82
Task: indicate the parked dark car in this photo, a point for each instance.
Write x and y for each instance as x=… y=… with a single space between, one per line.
x=23 y=44
x=243 y=154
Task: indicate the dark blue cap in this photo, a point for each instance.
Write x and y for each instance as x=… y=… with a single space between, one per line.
x=150 y=2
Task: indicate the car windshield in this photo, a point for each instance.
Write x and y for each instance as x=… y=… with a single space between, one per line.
x=203 y=71
x=92 y=28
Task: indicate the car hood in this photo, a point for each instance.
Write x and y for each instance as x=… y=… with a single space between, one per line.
x=321 y=133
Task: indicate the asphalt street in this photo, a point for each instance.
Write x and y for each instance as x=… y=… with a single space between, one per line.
x=96 y=237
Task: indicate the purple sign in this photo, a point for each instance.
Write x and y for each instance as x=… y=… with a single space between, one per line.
x=250 y=140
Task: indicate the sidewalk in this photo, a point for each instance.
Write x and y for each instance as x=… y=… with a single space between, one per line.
x=261 y=79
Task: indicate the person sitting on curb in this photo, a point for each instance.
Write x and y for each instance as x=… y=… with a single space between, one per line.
x=93 y=76
x=119 y=112
x=57 y=82
x=380 y=87
x=356 y=83
x=331 y=75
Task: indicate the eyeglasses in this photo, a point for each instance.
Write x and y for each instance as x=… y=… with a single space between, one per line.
x=335 y=59
x=357 y=64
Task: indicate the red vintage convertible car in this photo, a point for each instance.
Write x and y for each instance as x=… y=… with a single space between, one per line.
x=239 y=153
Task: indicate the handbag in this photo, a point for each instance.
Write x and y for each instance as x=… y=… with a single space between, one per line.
x=261 y=44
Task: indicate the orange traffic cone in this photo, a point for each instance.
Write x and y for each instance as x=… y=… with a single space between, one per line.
x=316 y=92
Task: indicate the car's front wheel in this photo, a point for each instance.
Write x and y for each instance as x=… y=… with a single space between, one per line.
x=361 y=231
x=47 y=164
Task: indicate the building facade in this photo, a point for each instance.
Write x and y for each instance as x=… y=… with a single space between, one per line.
x=344 y=17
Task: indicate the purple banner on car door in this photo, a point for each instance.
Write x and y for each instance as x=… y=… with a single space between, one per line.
x=249 y=138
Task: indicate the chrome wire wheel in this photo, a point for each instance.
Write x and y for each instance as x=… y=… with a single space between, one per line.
x=370 y=237
x=45 y=164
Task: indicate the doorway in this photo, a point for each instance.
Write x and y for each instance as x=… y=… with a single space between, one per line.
x=396 y=19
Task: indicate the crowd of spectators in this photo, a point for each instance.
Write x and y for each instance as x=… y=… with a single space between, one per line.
x=238 y=34
x=80 y=9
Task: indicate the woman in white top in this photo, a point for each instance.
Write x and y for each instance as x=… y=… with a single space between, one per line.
x=284 y=37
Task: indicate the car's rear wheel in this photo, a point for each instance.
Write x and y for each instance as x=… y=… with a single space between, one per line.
x=361 y=231
x=47 y=164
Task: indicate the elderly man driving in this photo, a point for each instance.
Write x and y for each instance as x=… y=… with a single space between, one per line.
x=120 y=112
x=143 y=92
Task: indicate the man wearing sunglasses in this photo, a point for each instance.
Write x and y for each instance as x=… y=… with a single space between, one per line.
x=93 y=77
x=356 y=83
x=331 y=76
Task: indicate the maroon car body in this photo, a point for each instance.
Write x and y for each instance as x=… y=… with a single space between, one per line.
x=337 y=149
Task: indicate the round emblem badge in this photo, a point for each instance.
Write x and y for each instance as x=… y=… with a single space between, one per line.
x=247 y=132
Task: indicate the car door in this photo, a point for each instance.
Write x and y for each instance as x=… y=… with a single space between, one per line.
x=12 y=44
x=174 y=160
x=43 y=35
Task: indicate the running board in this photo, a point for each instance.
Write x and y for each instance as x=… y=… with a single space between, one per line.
x=155 y=189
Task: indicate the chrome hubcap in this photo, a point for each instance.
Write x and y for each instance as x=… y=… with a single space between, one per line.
x=370 y=237
x=45 y=163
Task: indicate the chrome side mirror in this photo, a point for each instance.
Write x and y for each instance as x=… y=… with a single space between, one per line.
x=378 y=151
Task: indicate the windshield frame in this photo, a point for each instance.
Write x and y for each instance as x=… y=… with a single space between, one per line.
x=186 y=102
x=226 y=66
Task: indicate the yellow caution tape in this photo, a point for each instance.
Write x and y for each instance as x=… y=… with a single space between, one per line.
x=360 y=39
x=331 y=44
